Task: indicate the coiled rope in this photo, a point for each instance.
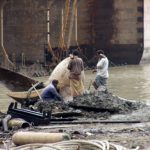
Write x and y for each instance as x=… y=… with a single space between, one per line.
x=74 y=145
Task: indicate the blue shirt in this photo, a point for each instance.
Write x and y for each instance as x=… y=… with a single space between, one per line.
x=50 y=93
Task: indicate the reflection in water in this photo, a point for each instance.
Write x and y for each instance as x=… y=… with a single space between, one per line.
x=130 y=82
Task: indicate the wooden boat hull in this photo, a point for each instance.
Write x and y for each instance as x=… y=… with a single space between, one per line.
x=15 y=81
x=20 y=97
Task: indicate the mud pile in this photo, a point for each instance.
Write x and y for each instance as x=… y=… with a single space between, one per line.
x=99 y=105
x=105 y=101
x=103 y=105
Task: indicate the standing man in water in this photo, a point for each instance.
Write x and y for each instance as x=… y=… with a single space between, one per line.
x=75 y=68
x=102 y=72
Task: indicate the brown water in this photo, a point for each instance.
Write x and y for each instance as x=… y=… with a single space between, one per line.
x=130 y=82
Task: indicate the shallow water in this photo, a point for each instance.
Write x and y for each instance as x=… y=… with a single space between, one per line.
x=130 y=82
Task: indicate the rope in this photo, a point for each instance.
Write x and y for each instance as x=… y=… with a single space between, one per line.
x=75 y=145
x=31 y=146
x=3 y=49
x=70 y=8
x=71 y=23
x=64 y=26
x=76 y=28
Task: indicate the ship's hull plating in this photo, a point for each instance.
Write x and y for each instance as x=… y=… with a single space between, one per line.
x=116 y=26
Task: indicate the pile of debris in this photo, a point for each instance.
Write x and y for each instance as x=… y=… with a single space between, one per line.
x=98 y=106
x=101 y=105
x=105 y=101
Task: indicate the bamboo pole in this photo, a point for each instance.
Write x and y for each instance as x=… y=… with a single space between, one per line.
x=37 y=92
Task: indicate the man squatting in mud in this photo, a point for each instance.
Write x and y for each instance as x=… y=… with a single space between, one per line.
x=50 y=92
x=102 y=72
x=75 y=68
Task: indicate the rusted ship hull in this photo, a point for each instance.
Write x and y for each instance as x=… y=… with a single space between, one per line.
x=125 y=54
x=114 y=26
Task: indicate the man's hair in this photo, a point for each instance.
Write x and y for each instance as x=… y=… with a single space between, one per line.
x=100 y=52
x=55 y=82
x=75 y=52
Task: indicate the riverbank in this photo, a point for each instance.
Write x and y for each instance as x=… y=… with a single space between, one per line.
x=104 y=117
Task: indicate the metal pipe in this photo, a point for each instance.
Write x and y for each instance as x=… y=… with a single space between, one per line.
x=95 y=121
x=18 y=122
x=5 y=123
x=21 y=138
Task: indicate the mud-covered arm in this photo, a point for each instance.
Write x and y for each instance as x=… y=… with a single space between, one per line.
x=57 y=95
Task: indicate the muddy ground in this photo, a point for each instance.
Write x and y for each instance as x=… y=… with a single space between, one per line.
x=127 y=122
